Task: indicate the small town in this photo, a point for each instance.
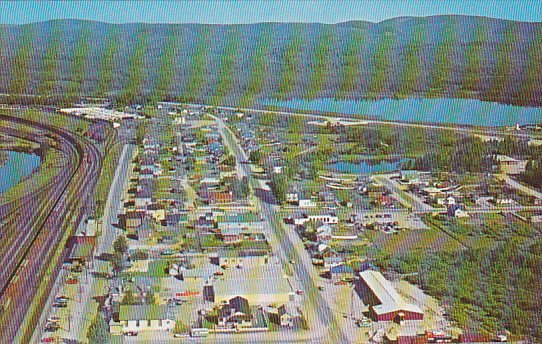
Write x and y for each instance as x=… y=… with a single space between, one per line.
x=255 y=171
x=211 y=230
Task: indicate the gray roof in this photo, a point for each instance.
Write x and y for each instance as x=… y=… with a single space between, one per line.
x=390 y=300
x=143 y=312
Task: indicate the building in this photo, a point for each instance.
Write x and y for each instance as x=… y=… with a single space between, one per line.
x=332 y=258
x=140 y=318
x=259 y=285
x=341 y=272
x=326 y=218
x=285 y=315
x=385 y=304
x=510 y=165
x=81 y=248
x=248 y=257
x=235 y=313
x=134 y=219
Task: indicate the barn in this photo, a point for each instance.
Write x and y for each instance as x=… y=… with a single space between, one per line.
x=385 y=304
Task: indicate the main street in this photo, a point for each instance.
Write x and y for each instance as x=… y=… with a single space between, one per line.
x=289 y=247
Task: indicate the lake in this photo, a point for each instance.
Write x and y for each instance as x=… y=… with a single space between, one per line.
x=428 y=110
x=367 y=167
x=18 y=166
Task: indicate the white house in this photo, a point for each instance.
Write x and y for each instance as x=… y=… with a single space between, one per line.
x=140 y=318
x=307 y=203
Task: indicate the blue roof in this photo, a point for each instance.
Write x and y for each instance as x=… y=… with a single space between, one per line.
x=341 y=269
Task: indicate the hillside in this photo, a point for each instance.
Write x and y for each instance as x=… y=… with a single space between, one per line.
x=453 y=56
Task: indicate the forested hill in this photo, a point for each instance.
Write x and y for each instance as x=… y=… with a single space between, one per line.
x=452 y=56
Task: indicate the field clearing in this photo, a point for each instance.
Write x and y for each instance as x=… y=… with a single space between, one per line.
x=427 y=240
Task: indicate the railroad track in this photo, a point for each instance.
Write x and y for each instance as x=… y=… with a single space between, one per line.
x=28 y=270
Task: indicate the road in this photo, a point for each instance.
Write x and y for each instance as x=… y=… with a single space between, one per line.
x=522 y=188
x=467 y=130
x=289 y=247
x=82 y=310
x=407 y=199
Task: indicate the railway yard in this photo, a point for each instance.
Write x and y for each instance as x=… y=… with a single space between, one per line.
x=36 y=223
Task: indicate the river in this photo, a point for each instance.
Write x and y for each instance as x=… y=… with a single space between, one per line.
x=425 y=110
x=18 y=166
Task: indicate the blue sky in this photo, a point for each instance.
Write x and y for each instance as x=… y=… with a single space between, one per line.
x=227 y=12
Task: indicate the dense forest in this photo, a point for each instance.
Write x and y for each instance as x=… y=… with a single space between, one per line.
x=451 y=56
x=486 y=289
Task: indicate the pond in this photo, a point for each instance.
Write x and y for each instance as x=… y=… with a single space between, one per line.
x=367 y=166
x=427 y=110
x=18 y=166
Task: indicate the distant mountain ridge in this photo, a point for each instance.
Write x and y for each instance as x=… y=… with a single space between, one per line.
x=451 y=56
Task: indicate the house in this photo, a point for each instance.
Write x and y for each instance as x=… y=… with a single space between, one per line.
x=385 y=304
x=509 y=165
x=455 y=210
x=327 y=197
x=204 y=223
x=156 y=211
x=326 y=218
x=81 y=248
x=341 y=272
x=241 y=220
x=292 y=197
x=306 y=203
x=239 y=257
x=134 y=219
x=231 y=235
x=174 y=219
x=143 y=197
x=144 y=231
x=285 y=315
x=235 y=313
x=142 y=318
x=332 y=258
x=324 y=236
x=324 y=232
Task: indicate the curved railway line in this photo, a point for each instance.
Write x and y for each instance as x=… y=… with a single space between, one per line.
x=41 y=229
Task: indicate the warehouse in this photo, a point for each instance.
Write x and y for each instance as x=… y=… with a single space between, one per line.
x=385 y=304
x=260 y=285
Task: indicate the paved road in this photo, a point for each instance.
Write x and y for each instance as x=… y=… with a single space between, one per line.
x=518 y=186
x=408 y=199
x=288 y=246
x=82 y=308
x=485 y=132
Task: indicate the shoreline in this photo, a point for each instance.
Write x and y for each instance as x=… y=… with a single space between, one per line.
x=4 y=157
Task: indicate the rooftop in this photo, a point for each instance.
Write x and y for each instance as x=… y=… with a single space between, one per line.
x=143 y=312
x=387 y=295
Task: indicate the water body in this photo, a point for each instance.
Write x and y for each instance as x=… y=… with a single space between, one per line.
x=18 y=166
x=367 y=166
x=427 y=110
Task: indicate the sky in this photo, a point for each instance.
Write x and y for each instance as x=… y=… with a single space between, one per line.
x=232 y=12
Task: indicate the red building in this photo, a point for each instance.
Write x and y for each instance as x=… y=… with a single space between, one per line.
x=385 y=304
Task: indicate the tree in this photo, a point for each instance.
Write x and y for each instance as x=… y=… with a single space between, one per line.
x=129 y=298
x=98 y=331
x=150 y=297
x=117 y=263
x=230 y=160
x=120 y=245
x=180 y=327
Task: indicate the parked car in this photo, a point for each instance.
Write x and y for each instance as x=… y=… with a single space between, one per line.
x=72 y=280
